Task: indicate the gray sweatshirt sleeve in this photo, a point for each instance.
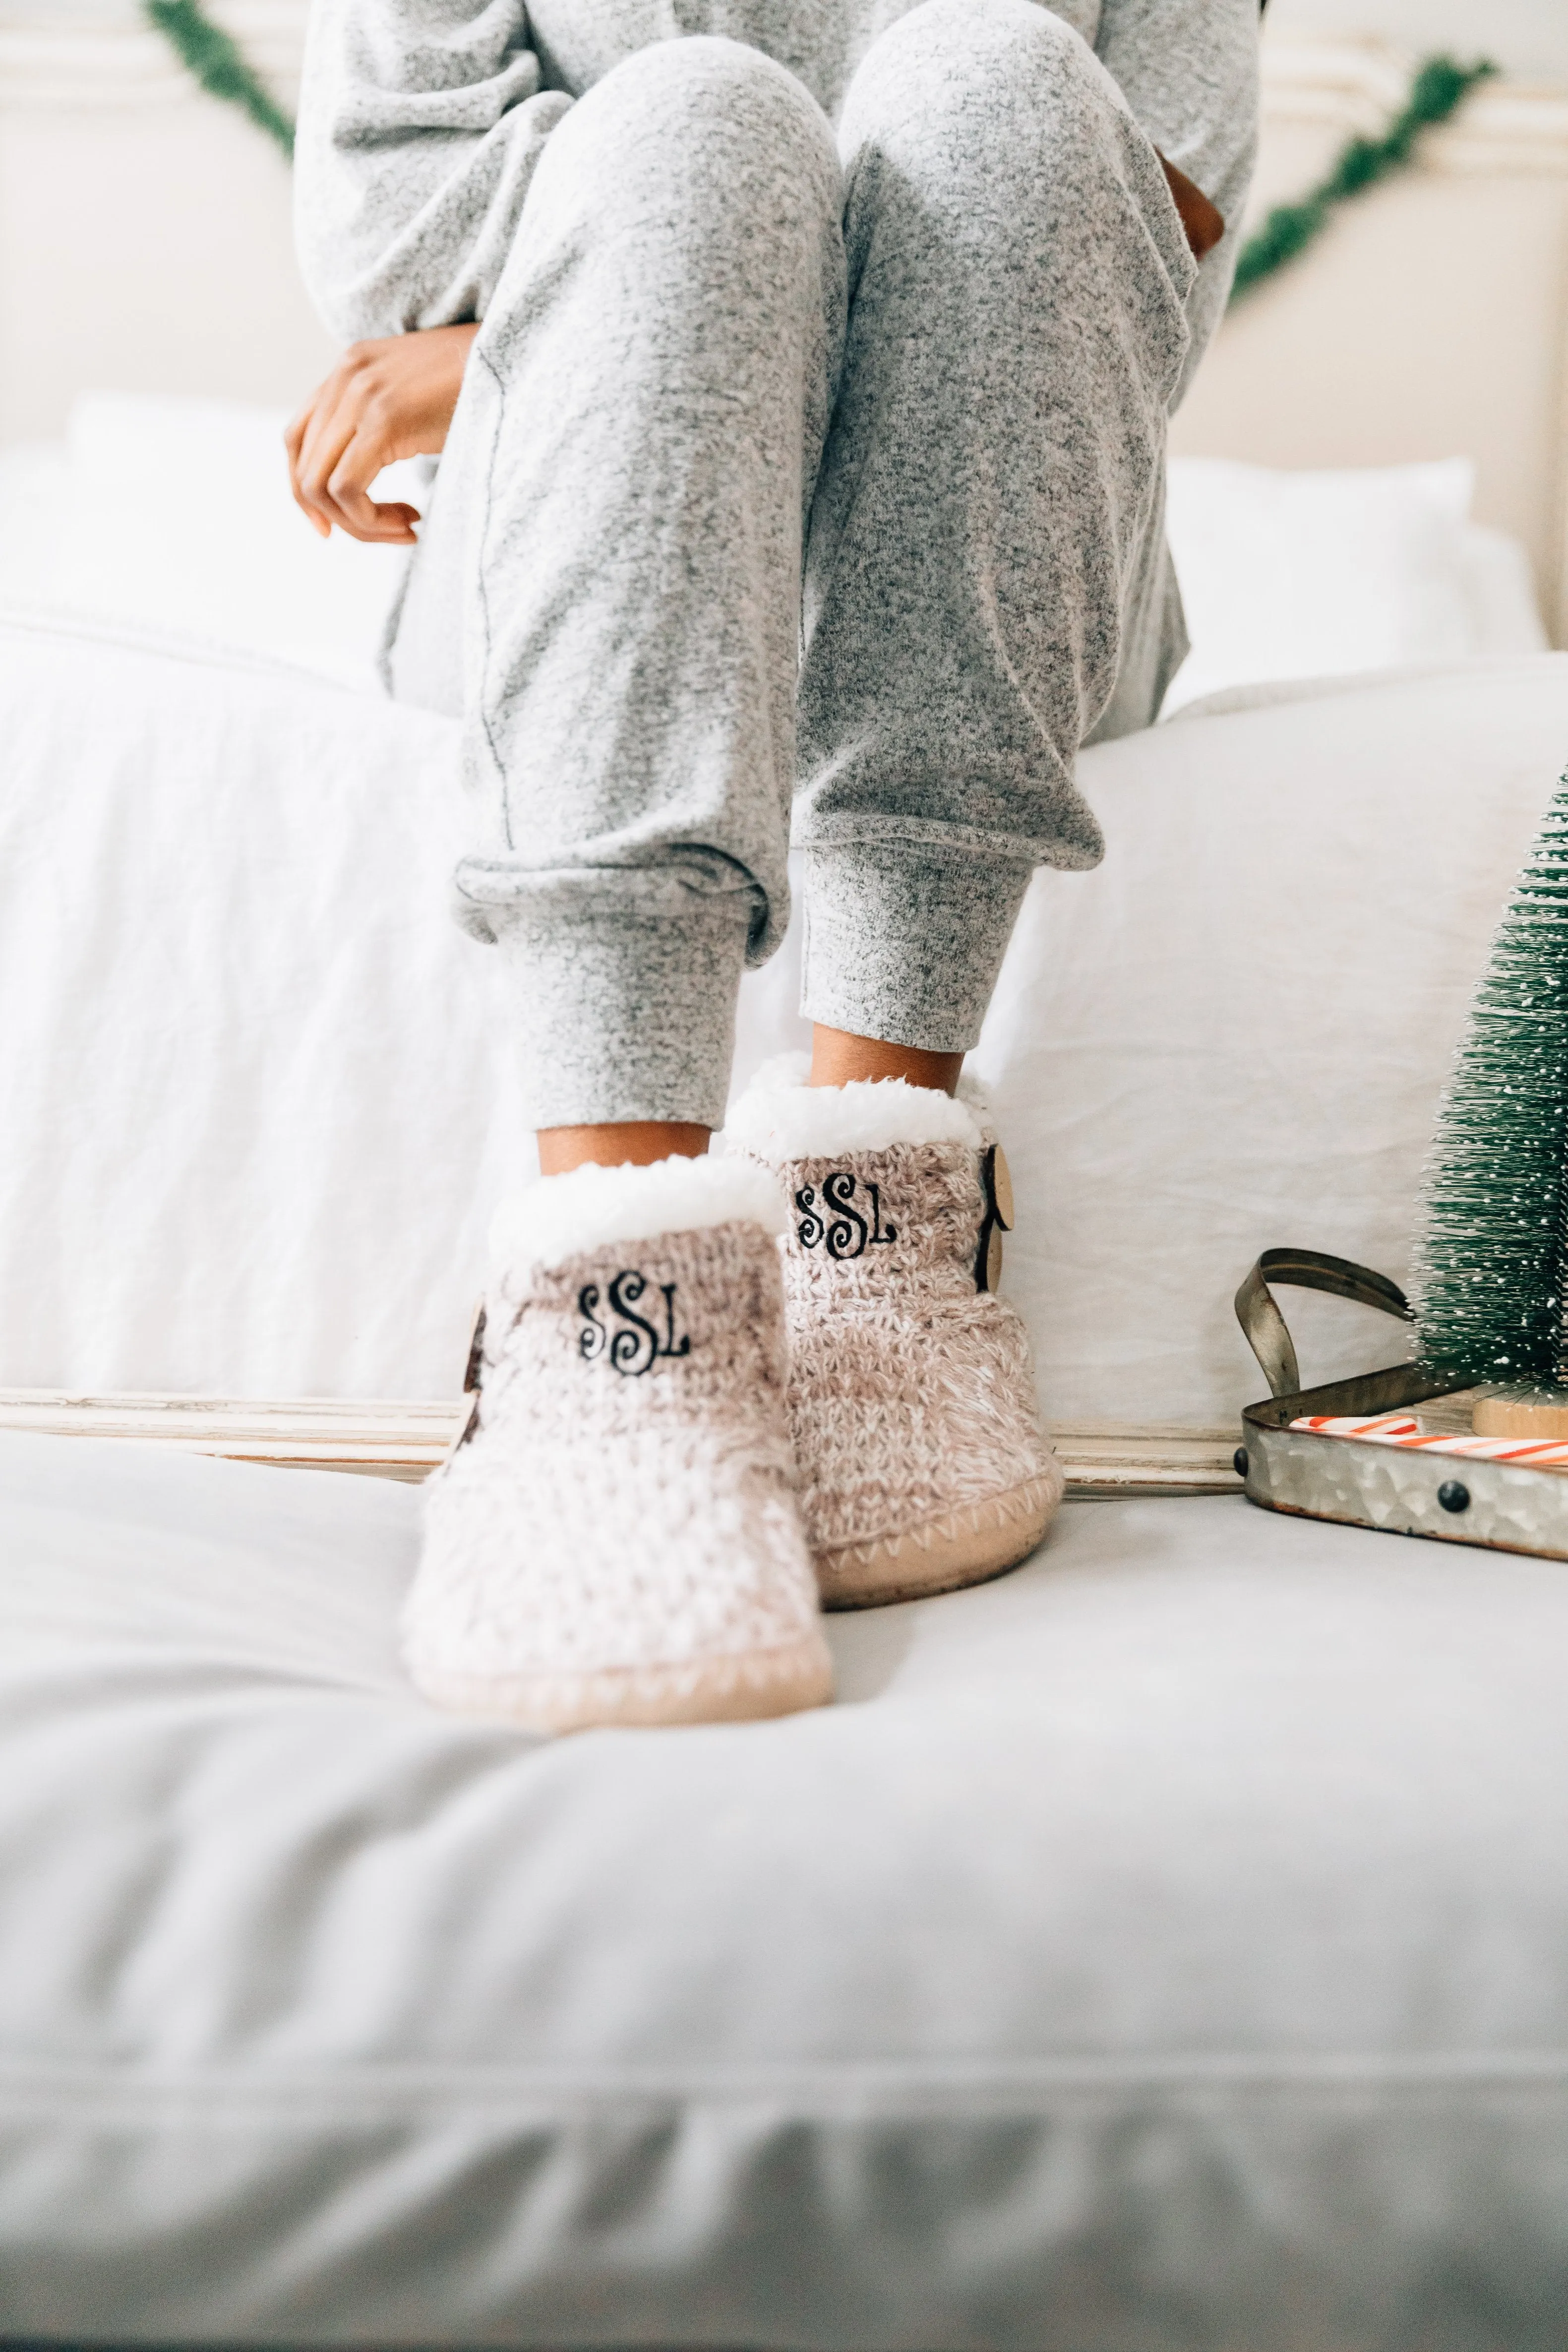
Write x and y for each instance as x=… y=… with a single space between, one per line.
x=420 y=126
x=1188 y=68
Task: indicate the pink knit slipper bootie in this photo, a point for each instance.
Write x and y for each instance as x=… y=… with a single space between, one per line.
x=615 y=1538
x=922 y=1462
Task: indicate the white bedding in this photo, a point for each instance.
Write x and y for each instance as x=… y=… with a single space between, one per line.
x=1161 y=1946
x=255 y=1087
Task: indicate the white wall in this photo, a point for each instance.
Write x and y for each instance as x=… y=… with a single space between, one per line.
x=145 y=237
x=1528 y=39
x=144 y=230
x=1526 y=36
x=146 y=251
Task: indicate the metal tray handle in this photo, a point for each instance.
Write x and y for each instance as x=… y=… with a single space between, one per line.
x=1263 y=1325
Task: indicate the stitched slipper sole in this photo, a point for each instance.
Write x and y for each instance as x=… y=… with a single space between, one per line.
x=966 y=1546
x=708 y=1690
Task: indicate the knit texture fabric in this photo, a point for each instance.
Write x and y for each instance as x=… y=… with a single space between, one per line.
x=912 y=1391
x=616 y=1540
x=811 y=452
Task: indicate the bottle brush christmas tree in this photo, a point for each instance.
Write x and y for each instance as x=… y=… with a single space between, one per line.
x=1492 y=1268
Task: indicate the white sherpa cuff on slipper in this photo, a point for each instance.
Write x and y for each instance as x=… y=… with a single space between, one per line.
x=780 y=1118
x=972 y=1092
x=562 y=1215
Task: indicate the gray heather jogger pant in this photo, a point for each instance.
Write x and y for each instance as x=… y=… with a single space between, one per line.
x=789 y=466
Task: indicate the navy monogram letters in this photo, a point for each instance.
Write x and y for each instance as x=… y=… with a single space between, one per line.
x=846 y=1230
x=635 y=1345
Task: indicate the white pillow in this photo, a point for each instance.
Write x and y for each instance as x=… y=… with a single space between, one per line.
x=35 y=485
x=1318 y=574
x=178 y=517
x=1502 y=594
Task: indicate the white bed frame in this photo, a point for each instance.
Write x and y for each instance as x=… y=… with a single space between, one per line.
x=1431 y=319
x=405 y=1441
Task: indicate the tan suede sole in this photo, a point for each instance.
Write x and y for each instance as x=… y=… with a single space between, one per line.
x=708 y=1690
x=962 y=1547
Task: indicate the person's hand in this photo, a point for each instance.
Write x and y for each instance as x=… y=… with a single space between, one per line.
x=1204 y=222
x=382 y=402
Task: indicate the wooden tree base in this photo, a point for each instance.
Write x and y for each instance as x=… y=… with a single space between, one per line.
x=1522 y=1413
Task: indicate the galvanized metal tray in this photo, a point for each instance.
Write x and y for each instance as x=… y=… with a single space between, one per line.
x=1455 y=1499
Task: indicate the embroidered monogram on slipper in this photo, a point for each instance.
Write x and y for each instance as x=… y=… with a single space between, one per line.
x=845 y=1231
x=830 y=1217
x=630 y=1344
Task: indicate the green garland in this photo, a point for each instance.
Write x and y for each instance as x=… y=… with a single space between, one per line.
x=1289 y=229
x=220 y=65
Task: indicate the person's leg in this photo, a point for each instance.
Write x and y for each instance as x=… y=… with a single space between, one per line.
x=616 y=1540
x=1016 y=275
x=1016 y=271
x=840 y=1058
x=625 y=479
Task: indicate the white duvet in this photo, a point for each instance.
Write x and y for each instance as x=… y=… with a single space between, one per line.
x=256 y=1093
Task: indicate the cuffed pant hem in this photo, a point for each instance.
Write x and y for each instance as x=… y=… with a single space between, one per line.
x=904 y=943
x=625 y=1015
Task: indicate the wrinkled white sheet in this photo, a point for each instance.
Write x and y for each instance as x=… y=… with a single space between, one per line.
x=256 y=1090
x=1161 y=1946
x=253 y=1082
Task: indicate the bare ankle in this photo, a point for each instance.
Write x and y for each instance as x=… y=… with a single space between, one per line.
x=839 y=1059
x=630 y=1143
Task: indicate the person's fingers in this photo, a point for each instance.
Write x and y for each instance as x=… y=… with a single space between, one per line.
x=342 y=453
x=329 y=433
x=355 y=510
x=296 y=438
x=1203 y=221
x=293 y=439
x=392 y=526
x=353 y=426
x=293 y=434
x=372 y=445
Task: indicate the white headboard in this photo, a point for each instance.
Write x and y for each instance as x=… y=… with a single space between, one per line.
x=1431 y=318
x=145 y=245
